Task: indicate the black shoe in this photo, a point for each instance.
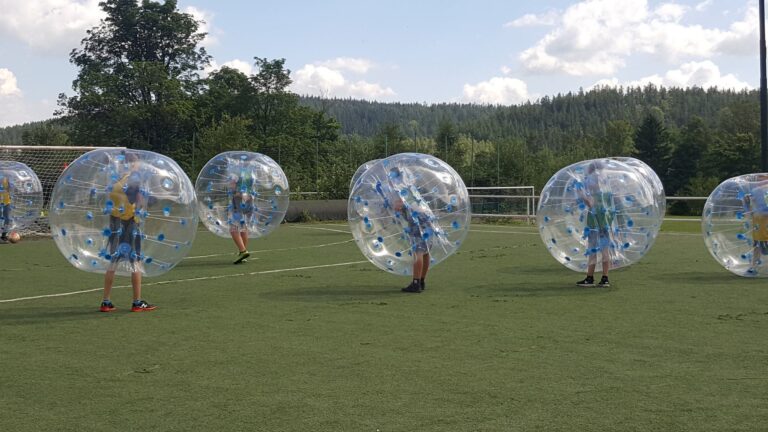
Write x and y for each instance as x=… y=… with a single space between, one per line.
x=241 y=257
x=588 y=281
x=412 y=288
x=604 y=282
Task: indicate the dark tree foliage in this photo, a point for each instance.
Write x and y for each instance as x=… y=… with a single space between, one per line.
x=692 y=143
x=653 y=145
x=694 y=138
x=138 y=72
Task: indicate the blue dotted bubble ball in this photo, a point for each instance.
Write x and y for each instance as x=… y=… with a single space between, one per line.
x=405 y=205
x=735 y=224
x=600 y=210
x=21 y=196
x=124 y=211
x=241 y=191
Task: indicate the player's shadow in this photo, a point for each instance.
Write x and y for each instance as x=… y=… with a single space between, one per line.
x=536 y=281
x=216 y=263
x=529 y=289
x=334 y=294
x=719 y=278
x=38 y=315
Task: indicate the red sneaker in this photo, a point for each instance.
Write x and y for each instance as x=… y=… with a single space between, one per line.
x=107 y=307
x=142 y=306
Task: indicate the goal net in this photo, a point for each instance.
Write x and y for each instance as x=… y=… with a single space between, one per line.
x=47 y=162
x=514 y=202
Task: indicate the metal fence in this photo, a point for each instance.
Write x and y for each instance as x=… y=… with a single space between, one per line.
x=520 y=202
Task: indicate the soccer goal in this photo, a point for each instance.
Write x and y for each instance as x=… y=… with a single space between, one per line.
x=47 y=162
x=514 y=202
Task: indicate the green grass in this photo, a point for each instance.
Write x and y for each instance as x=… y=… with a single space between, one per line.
x=501 y=340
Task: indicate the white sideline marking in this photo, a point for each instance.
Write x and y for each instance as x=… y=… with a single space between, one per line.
x=188 y=280
x=210 y=256
x=273 y=250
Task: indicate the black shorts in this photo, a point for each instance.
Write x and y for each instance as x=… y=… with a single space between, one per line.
x=124 y=240
x=761 y=245
x=598 y=239
x=5 y=214
x=242 y=209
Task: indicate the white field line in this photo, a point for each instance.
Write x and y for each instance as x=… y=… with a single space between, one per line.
x=174 y=281
x=211 y=256
x=274 y=250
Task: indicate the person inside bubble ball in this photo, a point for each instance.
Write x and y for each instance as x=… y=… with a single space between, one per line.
x=600 y=215
x=756 y=206
x=242 y=206
x=126 y=201
x=5 y=207
x=417 y=226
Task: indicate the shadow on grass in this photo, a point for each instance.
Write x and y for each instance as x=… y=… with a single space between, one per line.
x=37 y=315
x=546 y=289
x=334 y=294
x=719 y=278
x=537 y=281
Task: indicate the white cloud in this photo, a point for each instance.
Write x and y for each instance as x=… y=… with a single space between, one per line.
x=241 y=65
x=204 y=18
x=497 y=91
x=49 y=25
x=670 y=12
x=701 y=7
x=328 y=80
x=606 y=82
x=14 y=107
x=53 y=25
x=703 y=74
x=8 y=85
x=356 y=65
x=742 y=35
x=237 y=64
x=596 y=37
x=530 y=20
x=317 y=80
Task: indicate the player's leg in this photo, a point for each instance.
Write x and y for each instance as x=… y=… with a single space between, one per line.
x=114 y=258
x=237 y=237
x=605 y=254
x=138 y=304
x=592 y=242
x=424 y=269
x=5 y=212
x=415 y=285
x=244 y=238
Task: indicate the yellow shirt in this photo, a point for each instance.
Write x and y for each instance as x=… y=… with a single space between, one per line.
x=5 y=192
x=121 y=206
x=760 y=226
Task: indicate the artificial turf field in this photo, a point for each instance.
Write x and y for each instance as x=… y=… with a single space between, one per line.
x=308 y=337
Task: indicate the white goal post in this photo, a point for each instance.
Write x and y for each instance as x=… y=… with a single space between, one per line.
x=515 y=202
x=47 y=162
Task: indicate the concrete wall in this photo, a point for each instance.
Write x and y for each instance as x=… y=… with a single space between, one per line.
x=319 y=209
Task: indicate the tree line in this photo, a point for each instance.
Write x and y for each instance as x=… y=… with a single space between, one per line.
x=140 y=84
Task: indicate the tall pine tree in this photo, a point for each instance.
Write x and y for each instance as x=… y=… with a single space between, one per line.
x=653 y=146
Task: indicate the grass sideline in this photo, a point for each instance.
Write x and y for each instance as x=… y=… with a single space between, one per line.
x=501 y=340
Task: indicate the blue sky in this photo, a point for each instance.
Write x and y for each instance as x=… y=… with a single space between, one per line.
x=497 y=52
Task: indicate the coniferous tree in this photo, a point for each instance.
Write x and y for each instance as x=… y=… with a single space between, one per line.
x=652 y=145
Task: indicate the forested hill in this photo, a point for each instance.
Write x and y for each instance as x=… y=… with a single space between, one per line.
x=575 y=114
